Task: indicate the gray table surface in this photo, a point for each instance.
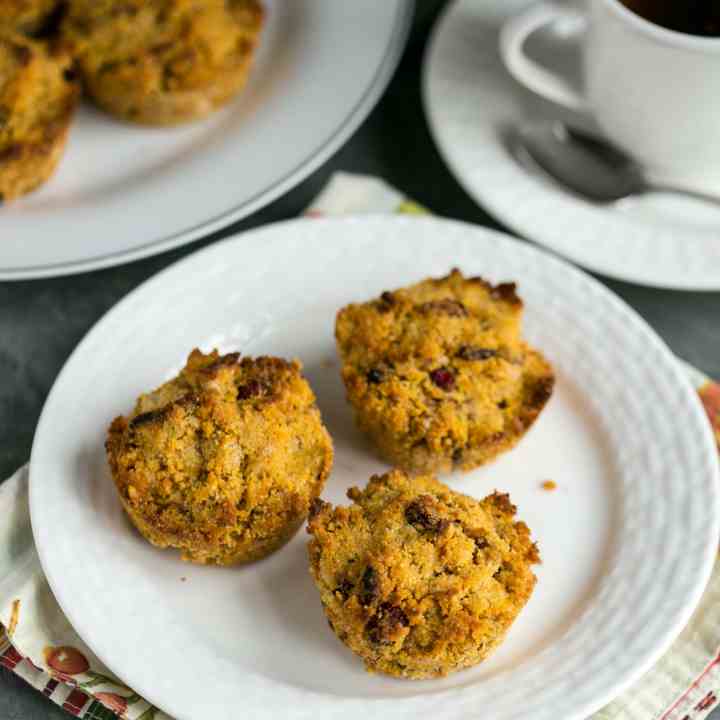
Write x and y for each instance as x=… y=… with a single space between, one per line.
x=41 y=321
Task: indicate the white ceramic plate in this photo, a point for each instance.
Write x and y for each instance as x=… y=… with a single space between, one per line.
x=124 y=192
x=472 y=103
x=627 y=539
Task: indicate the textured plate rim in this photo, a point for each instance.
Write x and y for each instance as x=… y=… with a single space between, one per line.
x=314 y=159
x=486 y=200
x=672 y=629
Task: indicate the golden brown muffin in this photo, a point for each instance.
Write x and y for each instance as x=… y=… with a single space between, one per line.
x=417 y=579
x=163 y=61
x=438 y=373
x=224 y=460
x=28 y=16
x=38 y=95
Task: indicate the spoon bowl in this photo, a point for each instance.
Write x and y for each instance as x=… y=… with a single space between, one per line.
x=586 y=165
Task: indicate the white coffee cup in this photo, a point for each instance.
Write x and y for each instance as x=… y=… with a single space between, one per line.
x=653 y=92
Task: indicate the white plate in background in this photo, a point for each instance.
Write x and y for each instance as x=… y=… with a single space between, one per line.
x=124 y=192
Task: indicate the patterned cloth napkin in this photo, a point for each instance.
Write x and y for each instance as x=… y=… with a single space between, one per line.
x=38 y=643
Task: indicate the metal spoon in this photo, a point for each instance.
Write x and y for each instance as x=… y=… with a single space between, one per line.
x=586 y=165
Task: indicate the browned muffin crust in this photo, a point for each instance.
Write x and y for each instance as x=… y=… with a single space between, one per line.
x=223 y=461
x=418 y=580
x=438 y=373
x=38 y=96
x=163 y=61
x=26 y=16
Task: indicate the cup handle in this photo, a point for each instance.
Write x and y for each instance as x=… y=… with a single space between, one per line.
x=529 y=73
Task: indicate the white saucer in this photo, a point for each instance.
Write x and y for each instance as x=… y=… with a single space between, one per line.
x=471 y=102
x=123 y=192
x=628 y=538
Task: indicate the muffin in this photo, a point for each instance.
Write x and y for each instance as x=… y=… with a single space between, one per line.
x=438 y=373
x=162 y=62
x=223 y=461
x=38 y=95
x=28 y=16
x=419 y=580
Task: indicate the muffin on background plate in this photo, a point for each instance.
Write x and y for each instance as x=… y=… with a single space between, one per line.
x=419 y=580
x=438 y=373
x=38 y=96
x=223 y=461
x=162 y=62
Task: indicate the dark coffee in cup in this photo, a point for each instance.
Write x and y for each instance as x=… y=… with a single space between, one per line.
x=693 y=17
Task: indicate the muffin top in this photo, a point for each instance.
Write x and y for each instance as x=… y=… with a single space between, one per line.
x=448 y=318
x=232 y=449
x=442 y=364
x=417 y=578
x=38 y=93
x=167 y=45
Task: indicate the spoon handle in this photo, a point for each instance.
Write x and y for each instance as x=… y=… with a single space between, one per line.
x=660 y=186
x=622 y=162
x=618 y=159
